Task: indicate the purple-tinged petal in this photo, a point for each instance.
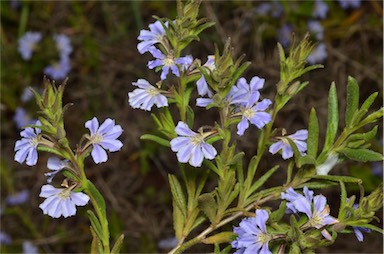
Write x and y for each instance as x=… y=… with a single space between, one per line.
x=99 y=154
x=274 y=148
x=197 y=157
x=209 y=151
x=92 y=125
x=183 y=130
x=242 y=126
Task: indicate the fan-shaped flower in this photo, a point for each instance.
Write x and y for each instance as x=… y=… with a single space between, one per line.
x=103 y=137
x=61 y=201
x=191 y=146
x=252 y=234
x=146 y=96
x=63 y=44
x=298 y=138
x=150 y=37
x=168 y=62
x=253 y=112
x=315 y=208
x=26 y=148
x=60 y=69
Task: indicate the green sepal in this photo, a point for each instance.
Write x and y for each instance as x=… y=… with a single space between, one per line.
x=95 y=223
x=178 y=194
x=352 y=100
x=262 y=179
x=222 y=237
x=118 y=244
x=70 y=175
x=50 y=150
x=207 y=204
x=333 y=118
x=361 y=154
x=313 y=134
x=156 y=139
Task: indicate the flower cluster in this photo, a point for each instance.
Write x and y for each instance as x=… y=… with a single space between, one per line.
x=252 y=235
x=63 y=201
x=315 y=207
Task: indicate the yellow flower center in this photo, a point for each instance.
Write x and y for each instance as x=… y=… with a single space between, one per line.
x=169 y=61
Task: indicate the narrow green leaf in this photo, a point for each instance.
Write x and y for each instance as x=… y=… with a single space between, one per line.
x=345 y=179
x=306 y=160
x=118 y=244
x=333 y=118
x=363 y=136
x=262 y=180
x=368 y=102
x=370 y=226
x=96 y=226
x=208 y=205
x=313 y=134
x=363 y=155
x=222 y=237
x=198 y=221
x=277 y=215
x=96 y=246
x=178 y=194
x=178 y=220
x=156 y=139
x=322 y=184
x=343 y=201
x=352 y=100
x=49 y=150
x=99 y=200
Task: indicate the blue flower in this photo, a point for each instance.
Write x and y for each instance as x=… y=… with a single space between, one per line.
x=61 y=201
x=5 y=238
x=27 y=44
x=252 y=234
x=191 y=147
x=167 y=243
x=202 y=86
x=316 y=28
x=168 y=62
x=56 y=165
x=21 y=118
x=58 y=70
x=315 y=208
x=146 y=96
x=26 y=148
x=149 y=38
x=17 y=198
x=349 y=3
x=318 y=55
x=29 y=248
x=242 y=92
x=103 y=137
x=283 y=144
x=63 y=44
x=253 y=112
x=274 y=7
x=320 y=10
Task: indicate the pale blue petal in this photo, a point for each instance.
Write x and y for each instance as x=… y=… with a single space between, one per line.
x=32 y=157
x=299 y=135
x=79 y=198
x=209 y=151
x=196 y=157
x=261 y=219
x=106 y=126
x=92 y=125
x=179 y=142
x=184 y=153
x=111 y=145
x=242 y=126
x=183 y=130
x=274 y=148
x=99 y=154
x=287 y=151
